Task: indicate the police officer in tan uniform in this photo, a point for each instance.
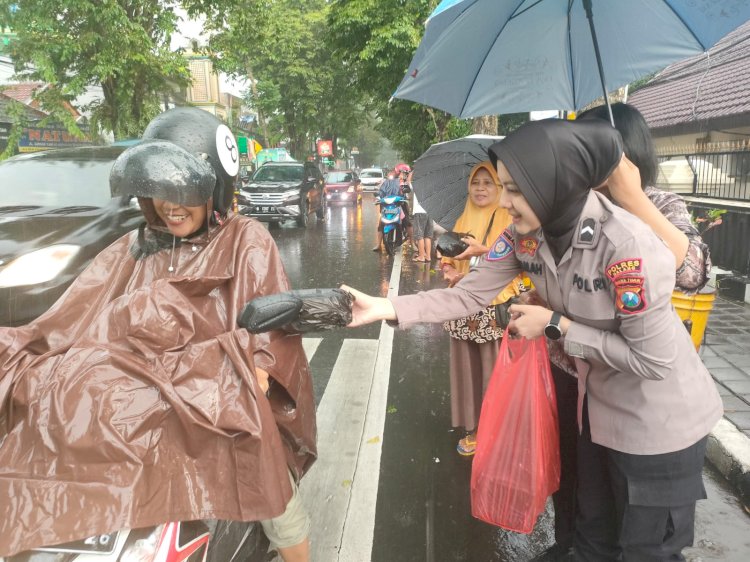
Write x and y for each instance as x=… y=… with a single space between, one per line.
x=646 y=401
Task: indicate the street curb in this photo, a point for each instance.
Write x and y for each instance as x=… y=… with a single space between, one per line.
x=728 y=450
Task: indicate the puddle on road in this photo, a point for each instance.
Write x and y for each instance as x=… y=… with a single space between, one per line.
x=722 y=527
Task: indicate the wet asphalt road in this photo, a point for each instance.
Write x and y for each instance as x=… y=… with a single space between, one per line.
x=423 y=507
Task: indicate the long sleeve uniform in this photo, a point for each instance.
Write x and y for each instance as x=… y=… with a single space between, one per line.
x=648 y=391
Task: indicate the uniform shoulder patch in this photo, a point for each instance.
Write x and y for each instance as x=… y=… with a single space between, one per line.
x=588 y=229
x=624 y=267
x=501 y=248
x=629 y=294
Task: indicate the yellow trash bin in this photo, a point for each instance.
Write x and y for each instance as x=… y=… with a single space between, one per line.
x=695 y=308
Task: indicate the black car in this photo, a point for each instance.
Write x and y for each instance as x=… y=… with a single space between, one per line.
x=280 y=191
x=56 y=215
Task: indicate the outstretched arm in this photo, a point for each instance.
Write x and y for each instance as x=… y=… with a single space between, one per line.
x=367 y=309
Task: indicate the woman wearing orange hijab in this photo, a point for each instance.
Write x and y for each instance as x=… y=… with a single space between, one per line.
x=475 y=340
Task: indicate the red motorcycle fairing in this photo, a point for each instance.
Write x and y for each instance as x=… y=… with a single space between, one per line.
x=193 y=541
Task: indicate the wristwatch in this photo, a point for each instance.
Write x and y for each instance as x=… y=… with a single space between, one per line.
x=552 y=329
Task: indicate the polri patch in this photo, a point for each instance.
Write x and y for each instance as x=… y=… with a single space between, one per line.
x=629 y=294
x=501 y=249
x=624 y=267
x=528 y=246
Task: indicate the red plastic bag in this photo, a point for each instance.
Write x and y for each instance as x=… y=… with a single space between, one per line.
x=517 y=461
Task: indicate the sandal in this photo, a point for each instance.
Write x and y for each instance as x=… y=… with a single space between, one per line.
x=468 y=445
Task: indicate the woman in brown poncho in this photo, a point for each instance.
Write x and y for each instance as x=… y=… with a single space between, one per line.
x=136 y=399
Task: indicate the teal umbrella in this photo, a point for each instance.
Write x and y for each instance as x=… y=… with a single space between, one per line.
x=487 y=57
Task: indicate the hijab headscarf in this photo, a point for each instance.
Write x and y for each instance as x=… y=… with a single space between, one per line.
x=555 y=164
x=475 y=220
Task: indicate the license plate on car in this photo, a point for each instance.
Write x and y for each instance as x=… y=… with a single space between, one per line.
x=99 y=544
x=265 y=209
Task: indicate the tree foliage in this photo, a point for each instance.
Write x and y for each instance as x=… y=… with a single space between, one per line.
x=377 y=39
x=300 y=91
x=120 y=45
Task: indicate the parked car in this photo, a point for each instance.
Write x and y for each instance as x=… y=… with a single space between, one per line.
x=280 y=191
x=344 y=186
x=56 y=215
x=371 y=178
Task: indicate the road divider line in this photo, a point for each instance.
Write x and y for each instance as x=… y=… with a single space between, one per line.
x=327 y=489
x=356 y=544
x=341 y=489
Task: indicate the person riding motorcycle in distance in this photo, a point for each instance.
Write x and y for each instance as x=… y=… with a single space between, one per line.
x=188 y=415
x=392 y=186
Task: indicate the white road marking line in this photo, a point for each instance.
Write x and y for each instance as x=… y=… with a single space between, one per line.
x=310 y=345
x=359 y=529
x=341 y=489
x=328 y=488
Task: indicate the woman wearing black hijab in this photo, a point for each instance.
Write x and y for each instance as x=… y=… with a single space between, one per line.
x=646 y=402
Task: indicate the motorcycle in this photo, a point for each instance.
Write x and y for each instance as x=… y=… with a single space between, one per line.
x=391 y=216
x=188 y=541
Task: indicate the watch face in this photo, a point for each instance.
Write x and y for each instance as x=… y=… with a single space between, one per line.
x=552 y=332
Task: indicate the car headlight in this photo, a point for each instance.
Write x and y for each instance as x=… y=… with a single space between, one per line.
x=290 y=195
x=38 y=266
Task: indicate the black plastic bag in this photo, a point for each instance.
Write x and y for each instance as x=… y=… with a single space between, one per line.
x=306 y=310
x=449 y=244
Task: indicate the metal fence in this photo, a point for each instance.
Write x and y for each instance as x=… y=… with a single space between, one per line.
x=719 y=175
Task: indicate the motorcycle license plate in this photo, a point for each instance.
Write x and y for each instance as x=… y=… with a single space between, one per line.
x=99 y=544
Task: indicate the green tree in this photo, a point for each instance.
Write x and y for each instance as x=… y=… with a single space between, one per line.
x=120 y=45
x=377 y=39
x=368 y=141
x=300 y=91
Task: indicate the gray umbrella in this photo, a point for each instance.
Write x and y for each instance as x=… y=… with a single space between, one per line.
x=441 y=176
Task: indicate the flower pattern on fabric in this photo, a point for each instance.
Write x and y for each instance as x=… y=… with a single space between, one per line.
x=481 y=327
x=692 y=275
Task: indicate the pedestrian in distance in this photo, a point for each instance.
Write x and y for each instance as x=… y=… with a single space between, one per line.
x=224 y=425
x=667 y=215
x=475 y=339
x=423 y=233
x=646 y=402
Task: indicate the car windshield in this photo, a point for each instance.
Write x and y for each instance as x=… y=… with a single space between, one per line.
x=371 y=174
x=55 y=183
x=279 y=173
x=338 y=177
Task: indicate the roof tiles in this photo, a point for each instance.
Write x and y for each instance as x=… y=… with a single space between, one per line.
x=700 y=88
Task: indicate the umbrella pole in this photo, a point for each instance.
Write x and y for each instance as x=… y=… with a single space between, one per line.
x=590 y=17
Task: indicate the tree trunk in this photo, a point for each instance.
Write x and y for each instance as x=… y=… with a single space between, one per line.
x=254 y=90
x=485 y=125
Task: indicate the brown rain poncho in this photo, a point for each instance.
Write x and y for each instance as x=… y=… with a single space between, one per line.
x=133 y=400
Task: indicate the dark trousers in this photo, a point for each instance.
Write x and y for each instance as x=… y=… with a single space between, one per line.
x=635 y=508
x=564 y=500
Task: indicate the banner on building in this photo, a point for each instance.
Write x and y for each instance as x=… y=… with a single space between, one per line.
x=34 y=139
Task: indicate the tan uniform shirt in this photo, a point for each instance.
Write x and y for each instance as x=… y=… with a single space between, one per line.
x=648 y=391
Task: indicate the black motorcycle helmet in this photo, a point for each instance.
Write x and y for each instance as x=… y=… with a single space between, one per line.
x=201 y=133
x=163 y=170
